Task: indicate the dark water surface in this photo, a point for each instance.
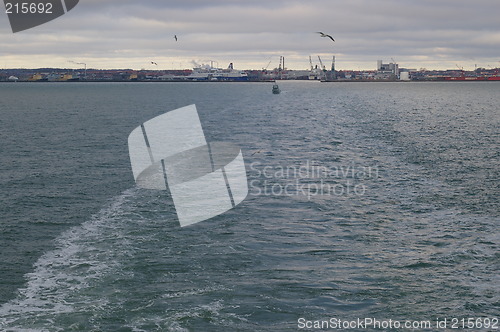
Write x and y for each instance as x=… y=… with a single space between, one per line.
x=367 y=200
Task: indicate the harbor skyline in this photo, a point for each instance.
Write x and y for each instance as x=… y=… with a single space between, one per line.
x=154 y=35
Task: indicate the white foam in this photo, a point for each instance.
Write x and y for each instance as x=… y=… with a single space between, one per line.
x=61 y=273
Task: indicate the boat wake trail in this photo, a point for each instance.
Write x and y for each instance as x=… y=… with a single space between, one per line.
x=129 y=266
x=69 y=279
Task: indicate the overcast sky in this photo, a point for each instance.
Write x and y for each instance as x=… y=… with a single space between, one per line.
x=433 y=34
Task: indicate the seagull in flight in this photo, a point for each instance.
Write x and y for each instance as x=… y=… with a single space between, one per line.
x=325 y=35
x=175 y=37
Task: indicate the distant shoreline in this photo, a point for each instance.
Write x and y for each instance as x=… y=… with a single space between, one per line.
x=251 y=81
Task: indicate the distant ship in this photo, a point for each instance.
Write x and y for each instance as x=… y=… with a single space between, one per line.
x=478 y=77
x=472 y=78
x=276 y=89
x=209 y=73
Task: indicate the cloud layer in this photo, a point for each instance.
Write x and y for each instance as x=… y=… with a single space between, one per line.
x=250 y=33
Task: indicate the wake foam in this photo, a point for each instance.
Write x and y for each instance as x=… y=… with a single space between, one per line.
x=83 y=255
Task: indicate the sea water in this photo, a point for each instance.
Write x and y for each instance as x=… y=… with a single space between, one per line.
x=366 y=200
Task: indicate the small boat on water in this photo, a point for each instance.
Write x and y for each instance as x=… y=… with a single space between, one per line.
x=276 y=89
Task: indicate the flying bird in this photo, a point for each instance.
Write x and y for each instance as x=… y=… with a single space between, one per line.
x=325 y=35
x=175 y=37
x=154 y=63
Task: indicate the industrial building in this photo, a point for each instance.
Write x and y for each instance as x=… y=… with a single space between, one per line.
x=387 y=70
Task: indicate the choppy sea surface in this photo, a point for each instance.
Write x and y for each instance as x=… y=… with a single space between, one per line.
x=367 y=200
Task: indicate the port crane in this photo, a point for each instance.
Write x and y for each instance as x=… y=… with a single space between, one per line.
x=321 y=63
x=323 y=68
x=314 y=70
x=333 y=75
x=265 y=68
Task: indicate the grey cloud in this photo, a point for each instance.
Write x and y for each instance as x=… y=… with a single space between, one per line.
x=364 y=29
